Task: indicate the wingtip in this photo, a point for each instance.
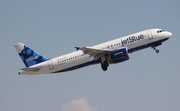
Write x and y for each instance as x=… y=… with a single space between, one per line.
x=77 y=48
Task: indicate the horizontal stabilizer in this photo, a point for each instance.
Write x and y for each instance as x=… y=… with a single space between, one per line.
x=31 y=69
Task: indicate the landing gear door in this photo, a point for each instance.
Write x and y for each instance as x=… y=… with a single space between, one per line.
x=50 y=64
x=149 y=34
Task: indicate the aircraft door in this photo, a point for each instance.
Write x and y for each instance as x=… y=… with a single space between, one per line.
x=149 y=34
x=50 y=64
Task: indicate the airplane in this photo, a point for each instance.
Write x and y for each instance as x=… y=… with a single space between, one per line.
x=111 y=52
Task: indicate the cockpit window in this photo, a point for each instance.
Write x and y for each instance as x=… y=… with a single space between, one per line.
x=159 y=31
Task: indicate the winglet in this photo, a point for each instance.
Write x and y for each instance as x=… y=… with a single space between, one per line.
x=77 y=48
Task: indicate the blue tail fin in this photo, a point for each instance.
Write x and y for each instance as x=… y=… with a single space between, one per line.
x=28 y=56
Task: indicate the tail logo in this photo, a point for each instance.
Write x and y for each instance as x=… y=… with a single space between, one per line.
x=30 y=57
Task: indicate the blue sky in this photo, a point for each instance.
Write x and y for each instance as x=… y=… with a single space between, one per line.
x=148 y=81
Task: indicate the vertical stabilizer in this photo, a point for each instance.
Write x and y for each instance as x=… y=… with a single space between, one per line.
x=28 y=56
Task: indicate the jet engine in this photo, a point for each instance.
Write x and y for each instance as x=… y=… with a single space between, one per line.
x=117 y=56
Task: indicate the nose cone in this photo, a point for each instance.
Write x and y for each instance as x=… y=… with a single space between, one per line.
x=168 y=34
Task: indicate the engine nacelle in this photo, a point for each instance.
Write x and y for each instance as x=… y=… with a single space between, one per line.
x=119 y=56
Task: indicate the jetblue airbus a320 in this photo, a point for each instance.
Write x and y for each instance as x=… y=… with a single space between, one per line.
x=111 y=52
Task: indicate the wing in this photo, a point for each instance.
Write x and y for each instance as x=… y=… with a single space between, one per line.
x=94 y=52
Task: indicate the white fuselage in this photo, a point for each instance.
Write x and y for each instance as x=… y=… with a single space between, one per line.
x=77 y=59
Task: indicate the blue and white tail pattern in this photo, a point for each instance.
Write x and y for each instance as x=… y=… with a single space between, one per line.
x=28 y=56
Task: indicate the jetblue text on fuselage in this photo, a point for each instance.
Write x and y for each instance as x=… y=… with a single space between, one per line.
x=131 y=39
